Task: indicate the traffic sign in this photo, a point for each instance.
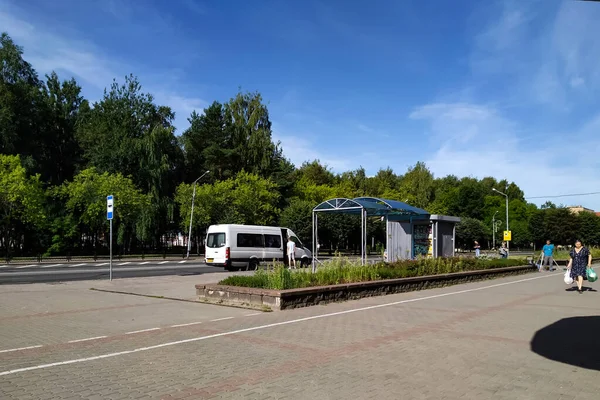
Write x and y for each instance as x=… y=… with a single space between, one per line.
x=507 y=236
x=109 y=207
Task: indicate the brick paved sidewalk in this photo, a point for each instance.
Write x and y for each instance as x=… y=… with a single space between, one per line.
x=463 y=342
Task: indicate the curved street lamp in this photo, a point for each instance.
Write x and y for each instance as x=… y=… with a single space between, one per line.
x=506 y=196
x=192 y=216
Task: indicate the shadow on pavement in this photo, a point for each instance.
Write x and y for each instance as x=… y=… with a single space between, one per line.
x=584 y=289
x=570 y=341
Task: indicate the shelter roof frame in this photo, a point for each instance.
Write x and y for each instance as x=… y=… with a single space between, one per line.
x=392 y=210
x=373 y=206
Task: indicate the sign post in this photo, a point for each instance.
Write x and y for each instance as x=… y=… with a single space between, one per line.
x=507 y=236
x=109 y=217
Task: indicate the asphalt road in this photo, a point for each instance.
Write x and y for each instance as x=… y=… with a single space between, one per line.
x=99 y=270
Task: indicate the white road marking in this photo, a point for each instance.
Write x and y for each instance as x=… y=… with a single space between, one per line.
x=125 y=263
x=20 y=348
x=220 y=319
x=249 y=315
x=87 y=339
x=27 y=266
x=144 y=263
x=267 y=326
x=78 y=265
x=143 y=330
x=180 y=325
x=163 y=262
x=50 y=266
x=181 y=262
x=101 y=265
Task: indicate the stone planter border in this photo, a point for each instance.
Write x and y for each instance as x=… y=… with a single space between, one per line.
x=306 y=297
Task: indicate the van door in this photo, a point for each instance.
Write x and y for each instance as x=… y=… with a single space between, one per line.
x=273 y=246
x=215 y=248
x=301 y=250
x=284 y=240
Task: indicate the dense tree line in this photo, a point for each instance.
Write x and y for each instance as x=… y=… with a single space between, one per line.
x=60 y=156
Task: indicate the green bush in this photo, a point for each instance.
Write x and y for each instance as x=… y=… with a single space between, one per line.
x=341 y=270
x=564 y=254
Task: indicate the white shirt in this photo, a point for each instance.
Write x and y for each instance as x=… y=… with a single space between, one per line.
x=291 y=248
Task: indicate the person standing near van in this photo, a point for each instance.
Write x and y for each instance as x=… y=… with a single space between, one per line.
x=291 y=250
x=548 y=251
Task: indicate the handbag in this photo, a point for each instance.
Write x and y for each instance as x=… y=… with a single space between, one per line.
x=568 y=280
x=591 y=275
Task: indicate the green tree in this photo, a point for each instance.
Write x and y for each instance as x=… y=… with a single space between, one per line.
x=418 y=186
x=316 y=173
x=537 y=227
x=589 y=228
x=561 y=226
x=208 y=145
x=245 y=199
x=308 y=191
x=249 y=127
x=60 y=153
x=85 y=200
x=471 y=199
x=469 y=230
x=385 y=181
x=298 y=217
x=22 y=199
x=21 y=105
x=446 y=196
x=126 y=132
x=352 y=184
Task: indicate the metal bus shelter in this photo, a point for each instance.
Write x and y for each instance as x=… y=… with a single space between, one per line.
x=391 y=210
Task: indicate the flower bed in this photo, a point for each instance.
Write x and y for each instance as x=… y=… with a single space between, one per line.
x=342 y=271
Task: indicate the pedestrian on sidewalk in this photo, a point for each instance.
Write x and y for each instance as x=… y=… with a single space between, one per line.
x=548 y=252
x=580 y=259
x=477 y=249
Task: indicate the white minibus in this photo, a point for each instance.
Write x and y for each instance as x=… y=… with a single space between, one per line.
x=235 y=246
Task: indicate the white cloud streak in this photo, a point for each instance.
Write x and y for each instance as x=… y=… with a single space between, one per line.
x=477 y=141
x=551 y=59
x=89 y=64
x=300 y=148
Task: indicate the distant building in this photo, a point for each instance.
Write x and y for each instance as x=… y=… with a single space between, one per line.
x=578 y=209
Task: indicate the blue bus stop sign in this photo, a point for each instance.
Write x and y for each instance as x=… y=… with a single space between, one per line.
x=109 y=207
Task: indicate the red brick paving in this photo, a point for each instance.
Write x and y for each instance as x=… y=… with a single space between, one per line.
x=472 y=345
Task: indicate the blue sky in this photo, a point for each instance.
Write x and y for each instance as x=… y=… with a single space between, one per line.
x=508 y=89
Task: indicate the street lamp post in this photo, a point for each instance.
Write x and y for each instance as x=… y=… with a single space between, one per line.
x=192 y=215
x=494 y=230
x=507 y=229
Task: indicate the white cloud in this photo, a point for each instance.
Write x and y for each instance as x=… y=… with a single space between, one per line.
x=577 y=81
x=461 y=123
x=89 y=64
x=48 y=52
x=495 y=147
x=299 y=148
x=548 y=55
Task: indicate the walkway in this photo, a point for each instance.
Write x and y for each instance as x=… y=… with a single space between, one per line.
x=500 y=339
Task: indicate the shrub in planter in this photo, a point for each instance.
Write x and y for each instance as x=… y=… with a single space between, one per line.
x=342 y=270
